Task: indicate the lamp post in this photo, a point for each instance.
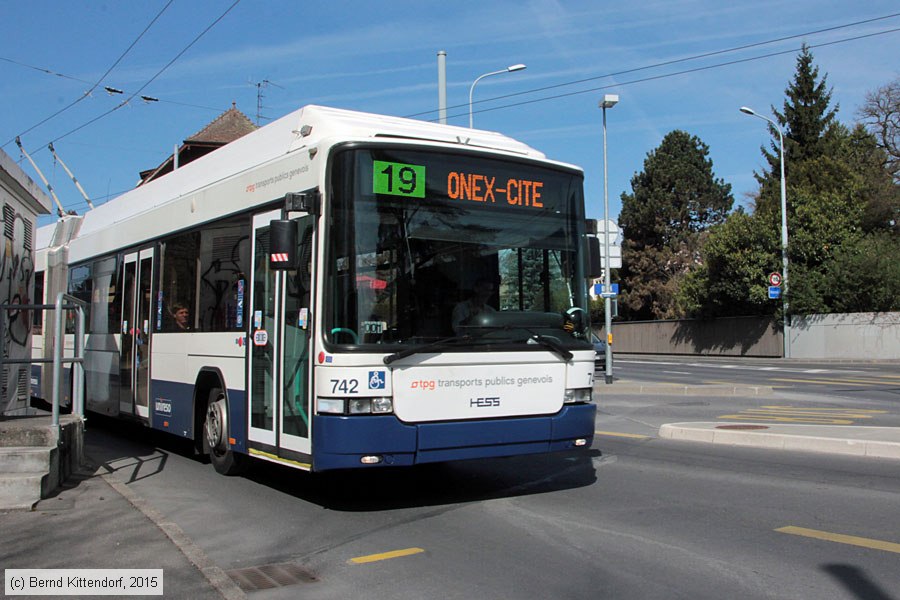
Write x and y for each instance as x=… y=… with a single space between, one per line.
x=784 y=232
x=609 y=100
x=508 y=69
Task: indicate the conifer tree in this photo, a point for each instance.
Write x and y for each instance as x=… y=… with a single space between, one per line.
x=806 y=118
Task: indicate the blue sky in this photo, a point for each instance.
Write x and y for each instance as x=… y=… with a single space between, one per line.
x=381 y=57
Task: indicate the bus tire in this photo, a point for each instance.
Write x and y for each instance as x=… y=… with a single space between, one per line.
x=215 y=436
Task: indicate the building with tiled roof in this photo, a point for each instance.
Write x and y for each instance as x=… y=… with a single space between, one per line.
x=227 y=127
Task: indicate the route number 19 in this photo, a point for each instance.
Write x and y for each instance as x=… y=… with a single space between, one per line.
x=398 y=179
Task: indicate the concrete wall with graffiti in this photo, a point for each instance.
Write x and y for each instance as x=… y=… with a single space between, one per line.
x=21 y=202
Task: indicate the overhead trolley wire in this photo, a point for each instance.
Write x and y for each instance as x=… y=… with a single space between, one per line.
x=672 y=62
x=667 y=75
x=64 y=76
x=152 y=79
x=96 y=83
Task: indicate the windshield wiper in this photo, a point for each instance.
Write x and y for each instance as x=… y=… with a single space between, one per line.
x=548 y=342
x=426 y=347
x=551 y=343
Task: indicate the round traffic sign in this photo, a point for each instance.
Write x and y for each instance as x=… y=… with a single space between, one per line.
x=775 y=279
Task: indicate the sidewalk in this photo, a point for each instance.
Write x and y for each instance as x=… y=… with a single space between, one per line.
x=94 y=522
x=872 y=442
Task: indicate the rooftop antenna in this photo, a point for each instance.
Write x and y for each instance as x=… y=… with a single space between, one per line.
x=259 y=97
x=74 y=180
x=59 y=209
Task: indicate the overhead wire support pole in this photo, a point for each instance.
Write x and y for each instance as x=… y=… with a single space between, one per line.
x=59 y=209
x=74 y=179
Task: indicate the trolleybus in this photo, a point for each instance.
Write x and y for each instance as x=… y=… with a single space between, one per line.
x=298 y=296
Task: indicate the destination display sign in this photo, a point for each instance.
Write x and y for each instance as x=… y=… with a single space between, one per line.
x=468 y=181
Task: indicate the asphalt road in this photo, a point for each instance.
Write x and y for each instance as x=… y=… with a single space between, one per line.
x=634 y=517
x=849 y=379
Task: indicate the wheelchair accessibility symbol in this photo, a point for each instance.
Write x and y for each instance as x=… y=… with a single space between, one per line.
x=376 y=380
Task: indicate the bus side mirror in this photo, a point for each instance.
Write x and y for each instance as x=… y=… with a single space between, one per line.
x=595 y=258
x=282 y=245
x=309 y=201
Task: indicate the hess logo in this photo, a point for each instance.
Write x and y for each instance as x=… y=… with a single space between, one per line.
x=484 y=402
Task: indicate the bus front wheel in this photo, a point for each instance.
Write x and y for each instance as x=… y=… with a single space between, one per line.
x=215 y=436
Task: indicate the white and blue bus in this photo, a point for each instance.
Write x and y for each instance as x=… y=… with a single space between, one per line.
x=291 y=297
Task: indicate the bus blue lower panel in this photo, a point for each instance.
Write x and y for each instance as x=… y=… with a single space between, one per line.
x=340 y=442
x=172 y=410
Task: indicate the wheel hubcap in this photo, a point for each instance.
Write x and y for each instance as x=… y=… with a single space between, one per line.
x=215 y=426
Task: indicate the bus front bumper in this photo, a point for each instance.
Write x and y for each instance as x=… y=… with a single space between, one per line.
x=346 y=442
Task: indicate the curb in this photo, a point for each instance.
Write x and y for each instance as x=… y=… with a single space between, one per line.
x=219 y=580
x=871 y=442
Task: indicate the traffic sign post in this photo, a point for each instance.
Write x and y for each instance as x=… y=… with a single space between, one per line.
x=775 y=279
x=774 y=292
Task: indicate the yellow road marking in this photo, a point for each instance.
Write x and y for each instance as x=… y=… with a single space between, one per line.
x=820 y=382
x=624 y=435
x=842 y=539
x=785 y=419
x=812 y=412
x=359 y=560
x=817 y=415
x=823 y=408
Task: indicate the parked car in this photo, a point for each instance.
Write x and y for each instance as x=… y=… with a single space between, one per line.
x=599 y=350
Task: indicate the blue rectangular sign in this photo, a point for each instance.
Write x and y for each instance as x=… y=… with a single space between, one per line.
x=598 y=289
x=774 y=292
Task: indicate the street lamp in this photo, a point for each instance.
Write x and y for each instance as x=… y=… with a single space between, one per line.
x=784 y=232
x=509 y=69
x=609 y=100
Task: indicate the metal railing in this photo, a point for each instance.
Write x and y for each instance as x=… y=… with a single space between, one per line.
x=77 y=360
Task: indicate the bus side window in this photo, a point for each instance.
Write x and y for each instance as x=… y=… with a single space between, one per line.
x=179 y=277
x=224 y=262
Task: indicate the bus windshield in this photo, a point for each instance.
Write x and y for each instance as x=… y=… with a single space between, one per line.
x=426 y=245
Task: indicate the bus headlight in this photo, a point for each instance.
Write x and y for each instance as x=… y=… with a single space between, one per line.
x=382 y=405
x=333 y=406
x=359 y=406
x=578 y=395
x=355 y=406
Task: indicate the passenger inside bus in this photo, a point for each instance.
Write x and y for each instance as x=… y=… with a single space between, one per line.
x=181 y=317
x=475 y=305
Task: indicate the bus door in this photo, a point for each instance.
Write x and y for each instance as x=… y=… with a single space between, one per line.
x=134 y=358
x=280 y=341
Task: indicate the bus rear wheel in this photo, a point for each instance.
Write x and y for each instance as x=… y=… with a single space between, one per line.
x=215 y=436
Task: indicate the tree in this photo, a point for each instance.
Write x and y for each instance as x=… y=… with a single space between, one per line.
x=878 y=187
x=881 y=115
x=738 y=256
x=865 y=276
x=842 y=211
x=805 y=119
x=673 y=201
